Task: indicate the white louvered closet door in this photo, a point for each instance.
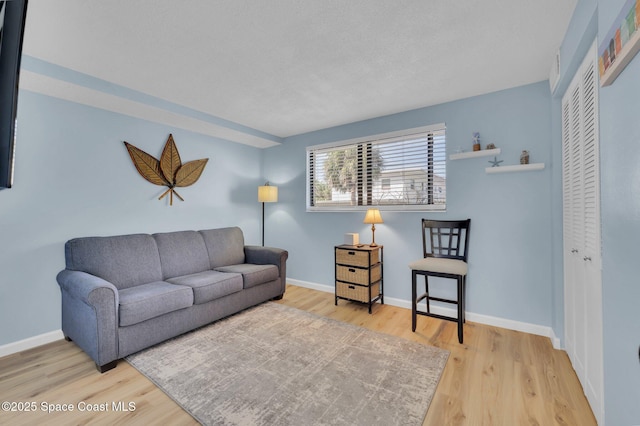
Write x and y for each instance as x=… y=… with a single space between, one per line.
x=581 y=226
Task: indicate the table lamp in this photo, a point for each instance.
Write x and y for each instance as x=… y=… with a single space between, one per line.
x=373 y=216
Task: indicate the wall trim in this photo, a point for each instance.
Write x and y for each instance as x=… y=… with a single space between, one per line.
x=524 y=327
x=30 y=343
x=49 y=79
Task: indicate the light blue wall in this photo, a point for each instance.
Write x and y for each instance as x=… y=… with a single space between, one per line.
x=73 y=177
x=620 y=209
x=620 y=164
x=511 y=260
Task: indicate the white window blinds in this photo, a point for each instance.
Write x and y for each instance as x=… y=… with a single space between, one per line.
x=401 y=171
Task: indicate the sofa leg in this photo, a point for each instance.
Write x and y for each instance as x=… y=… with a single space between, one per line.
x=68 y=339
x=108 y=366
x=279 y=297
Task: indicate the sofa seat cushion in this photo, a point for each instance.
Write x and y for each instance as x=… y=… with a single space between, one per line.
x=147 y=301
x=252 y=275
x=210 y=285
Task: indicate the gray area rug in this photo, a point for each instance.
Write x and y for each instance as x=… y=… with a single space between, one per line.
x=277 y=365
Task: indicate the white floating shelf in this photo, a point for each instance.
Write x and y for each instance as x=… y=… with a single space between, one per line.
x=623 y=57
x=515 y=168
x=474 y=154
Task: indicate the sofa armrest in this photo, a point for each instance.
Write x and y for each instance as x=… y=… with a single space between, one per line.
x=81 y=285
x=268 y=256
x=90 y=314
x=259 y=255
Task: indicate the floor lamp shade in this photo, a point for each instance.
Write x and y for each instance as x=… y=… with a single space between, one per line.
x=267 y=194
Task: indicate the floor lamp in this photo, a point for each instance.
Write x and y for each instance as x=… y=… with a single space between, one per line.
x=266 y=194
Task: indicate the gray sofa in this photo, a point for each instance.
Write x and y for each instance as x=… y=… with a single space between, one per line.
x=125 y=293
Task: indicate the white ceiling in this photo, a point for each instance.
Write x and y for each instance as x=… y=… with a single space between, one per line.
x=286 y=67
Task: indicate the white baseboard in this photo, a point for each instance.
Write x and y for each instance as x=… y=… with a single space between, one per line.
x=313 y=286
x=540 y=330
x=30 y=343
x=524 y=327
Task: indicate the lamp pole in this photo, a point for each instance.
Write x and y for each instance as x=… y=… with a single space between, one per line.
x=263 y=224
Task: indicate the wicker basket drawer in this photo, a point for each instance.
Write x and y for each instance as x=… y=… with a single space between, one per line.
x=357 y=275
x=357 y=257
x=357 y=292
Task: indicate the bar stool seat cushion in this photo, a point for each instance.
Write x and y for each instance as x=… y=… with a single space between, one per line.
x=440 y=265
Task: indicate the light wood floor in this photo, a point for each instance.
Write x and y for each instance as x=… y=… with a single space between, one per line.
x=497 y=377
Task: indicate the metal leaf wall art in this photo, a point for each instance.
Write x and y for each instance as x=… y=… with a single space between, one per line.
x=169 y=170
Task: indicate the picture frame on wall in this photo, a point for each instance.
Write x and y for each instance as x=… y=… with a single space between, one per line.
x=621 y=43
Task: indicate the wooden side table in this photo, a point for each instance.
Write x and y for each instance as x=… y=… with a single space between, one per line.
x=359 y=274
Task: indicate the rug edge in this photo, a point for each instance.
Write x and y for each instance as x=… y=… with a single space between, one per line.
x=164 y=391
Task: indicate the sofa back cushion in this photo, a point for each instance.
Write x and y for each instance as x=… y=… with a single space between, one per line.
x=124 y=260
x=181 y=253
x=225 y=246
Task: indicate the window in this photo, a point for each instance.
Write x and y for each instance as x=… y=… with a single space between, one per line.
x=395 y=171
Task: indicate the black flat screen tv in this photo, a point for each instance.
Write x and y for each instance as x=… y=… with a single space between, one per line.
x=12 y=19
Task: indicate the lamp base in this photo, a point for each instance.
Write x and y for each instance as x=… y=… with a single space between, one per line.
x=373 y=236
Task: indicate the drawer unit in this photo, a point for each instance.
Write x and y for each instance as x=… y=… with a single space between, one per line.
x=359 y=274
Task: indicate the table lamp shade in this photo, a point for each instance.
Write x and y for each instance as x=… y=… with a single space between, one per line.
x=373 y=216
x=267 y=194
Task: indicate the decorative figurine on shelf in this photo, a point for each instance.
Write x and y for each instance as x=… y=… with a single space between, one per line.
x=495 y=162
x=491 y=146
x=476 y=141
x=524 y=157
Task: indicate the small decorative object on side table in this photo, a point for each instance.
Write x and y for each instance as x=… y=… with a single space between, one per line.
x=359 y=276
